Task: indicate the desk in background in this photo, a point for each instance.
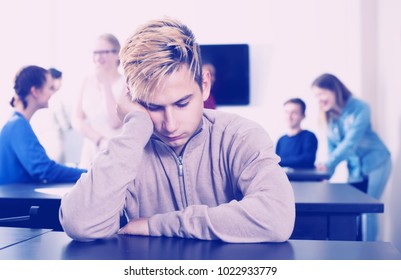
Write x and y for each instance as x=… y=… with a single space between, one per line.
x=297 y=174
x=57 y=245
x=330 y=211
x=17 y=200
x=323 y=210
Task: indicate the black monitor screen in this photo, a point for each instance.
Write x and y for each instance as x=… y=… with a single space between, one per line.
x=231 y=63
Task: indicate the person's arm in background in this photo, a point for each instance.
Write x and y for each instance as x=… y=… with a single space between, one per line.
x=106 y=88
x=321 y=165
x=33 y=157
x=352 y=137
x=60 y=114
x=79 y=120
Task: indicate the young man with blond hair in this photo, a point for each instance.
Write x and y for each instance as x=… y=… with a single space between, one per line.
x=178 y=169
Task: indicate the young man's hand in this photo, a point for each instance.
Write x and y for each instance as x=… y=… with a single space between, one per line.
x=136 y=227
x=126 y=105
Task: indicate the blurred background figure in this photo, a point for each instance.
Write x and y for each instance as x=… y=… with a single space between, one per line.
x=298 y=147
x=50 y=124
x=210 y=103
x=22 y=158
x=351 y=138
x=95 y=115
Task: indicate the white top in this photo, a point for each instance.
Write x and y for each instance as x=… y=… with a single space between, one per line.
x=94 y=107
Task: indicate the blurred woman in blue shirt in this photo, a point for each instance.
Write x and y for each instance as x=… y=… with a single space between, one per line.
x=351 y=138
x=22 y=158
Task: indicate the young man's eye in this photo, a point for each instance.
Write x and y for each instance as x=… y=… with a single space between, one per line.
x=153 y=108
x=182 y=105
x=149 y=107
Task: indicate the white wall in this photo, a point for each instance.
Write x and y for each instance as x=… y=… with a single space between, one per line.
x=388 y=108
x=25 y=39
x=289 y=48
x=291 y=42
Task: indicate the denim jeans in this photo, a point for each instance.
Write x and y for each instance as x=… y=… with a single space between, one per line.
x=376 y=183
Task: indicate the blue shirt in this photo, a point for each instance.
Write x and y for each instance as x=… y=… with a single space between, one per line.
x=351 y=138
x=297 y=151
x=24 y=160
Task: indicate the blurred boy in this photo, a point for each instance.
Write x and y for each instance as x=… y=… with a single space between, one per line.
x=298 y=147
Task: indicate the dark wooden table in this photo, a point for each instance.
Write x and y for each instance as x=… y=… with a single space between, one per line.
x=323 y=210
x=310 y=174
x=330 y=211
x=58 y=246
x=12 y=236
x=17 y=200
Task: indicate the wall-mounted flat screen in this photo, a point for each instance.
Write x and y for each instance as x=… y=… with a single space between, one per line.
x=231 y=65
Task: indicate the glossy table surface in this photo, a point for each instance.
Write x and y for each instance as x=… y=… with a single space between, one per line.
x=11 y=236
x=57 y=245
x=34 y=191
x=311 y=174
x=323 y=210
x=309 y=196
x=328 y=197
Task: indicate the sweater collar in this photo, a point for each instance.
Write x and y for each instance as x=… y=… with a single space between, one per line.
x=194 y=141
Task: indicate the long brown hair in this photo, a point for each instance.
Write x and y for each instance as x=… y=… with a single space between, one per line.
x=332 y=83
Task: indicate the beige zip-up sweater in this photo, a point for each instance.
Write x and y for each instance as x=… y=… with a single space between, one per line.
x=226 y=185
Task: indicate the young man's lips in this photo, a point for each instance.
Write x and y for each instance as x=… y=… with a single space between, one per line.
x=173 y=138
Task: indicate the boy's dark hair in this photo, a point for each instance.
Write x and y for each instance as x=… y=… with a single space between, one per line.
x=298 y=101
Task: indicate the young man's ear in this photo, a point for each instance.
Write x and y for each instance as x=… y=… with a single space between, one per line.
x=206 y=84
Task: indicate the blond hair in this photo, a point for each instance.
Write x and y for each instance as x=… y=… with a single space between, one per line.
x=156 y=50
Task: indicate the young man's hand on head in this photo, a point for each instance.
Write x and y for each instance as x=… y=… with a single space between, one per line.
x=126 y=105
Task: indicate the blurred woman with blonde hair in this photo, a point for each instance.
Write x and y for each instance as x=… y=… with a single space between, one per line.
x=95 y=114
x=351 y=137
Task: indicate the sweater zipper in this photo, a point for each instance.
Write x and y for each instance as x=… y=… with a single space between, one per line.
x=180 y=171
x=179 y=159
x=181 y=181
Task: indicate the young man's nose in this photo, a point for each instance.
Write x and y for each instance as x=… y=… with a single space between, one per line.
x=170 y=121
